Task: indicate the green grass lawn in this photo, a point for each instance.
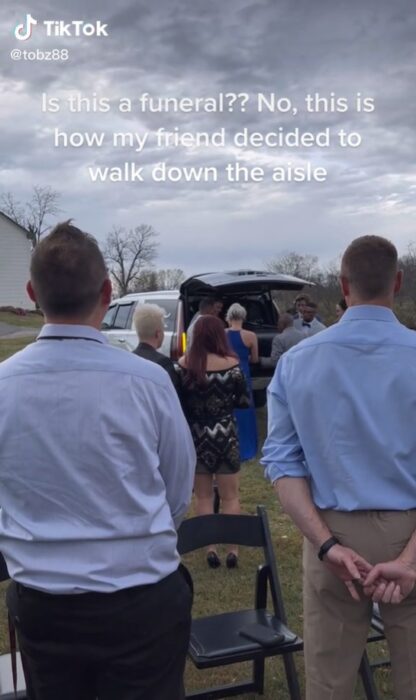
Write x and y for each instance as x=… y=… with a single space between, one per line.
x=8 y=346
x=224 y=589
x=28 y=321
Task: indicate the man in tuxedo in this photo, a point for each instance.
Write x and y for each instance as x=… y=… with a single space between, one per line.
x=308 y=323
x=300 y=302
x=149 y=324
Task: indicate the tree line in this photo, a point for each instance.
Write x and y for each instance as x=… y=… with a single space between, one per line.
x=326 y=292
x=131 y=254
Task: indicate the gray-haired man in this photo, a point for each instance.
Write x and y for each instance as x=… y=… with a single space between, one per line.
x=286 y=338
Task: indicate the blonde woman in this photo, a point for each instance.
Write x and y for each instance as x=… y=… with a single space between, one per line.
x=245 y=344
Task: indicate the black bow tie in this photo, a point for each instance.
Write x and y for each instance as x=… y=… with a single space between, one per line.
x=305 y=323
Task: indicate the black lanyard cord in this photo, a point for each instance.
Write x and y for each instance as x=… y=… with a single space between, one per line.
x=67 y=337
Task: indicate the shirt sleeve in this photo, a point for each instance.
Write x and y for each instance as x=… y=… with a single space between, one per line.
x=177 y=458
x=277 y=350
x=282 y=451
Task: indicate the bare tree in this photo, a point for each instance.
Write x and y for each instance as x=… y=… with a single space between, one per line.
x=171 y=278
x=146 y=281
x=33 y=215
x=128 y=253
x=305 y=266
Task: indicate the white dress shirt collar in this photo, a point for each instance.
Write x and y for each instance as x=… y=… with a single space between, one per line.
x=69 y=330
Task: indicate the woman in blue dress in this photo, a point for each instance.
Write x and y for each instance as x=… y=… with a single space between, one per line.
x=245 y=344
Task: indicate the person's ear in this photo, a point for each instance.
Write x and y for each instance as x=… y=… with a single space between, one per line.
x=106 y=292
x=31 y=292
x=398 y=281
x=345 y=286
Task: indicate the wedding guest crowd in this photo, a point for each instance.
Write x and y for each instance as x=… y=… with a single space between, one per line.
x=100 y=451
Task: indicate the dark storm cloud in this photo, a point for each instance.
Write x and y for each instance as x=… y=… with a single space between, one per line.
x=195 y=48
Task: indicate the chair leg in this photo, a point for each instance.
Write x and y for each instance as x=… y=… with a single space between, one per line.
x=368 y=678
x=291 y=677
x=258 y=675
x=216 y=499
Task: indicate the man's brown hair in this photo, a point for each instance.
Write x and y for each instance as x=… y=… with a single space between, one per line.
x=370 y=266
x=67 y=272
x=302 y=297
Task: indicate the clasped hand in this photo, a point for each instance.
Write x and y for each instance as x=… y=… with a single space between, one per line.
x=387 y=582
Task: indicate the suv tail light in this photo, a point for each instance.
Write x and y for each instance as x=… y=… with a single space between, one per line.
x=178 y=343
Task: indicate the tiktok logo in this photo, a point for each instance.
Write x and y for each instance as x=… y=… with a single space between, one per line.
x=24 y=31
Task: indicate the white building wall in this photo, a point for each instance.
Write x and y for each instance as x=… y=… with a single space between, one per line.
x=15 y=252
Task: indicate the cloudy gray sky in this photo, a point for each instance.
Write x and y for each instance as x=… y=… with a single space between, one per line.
x=190 y=48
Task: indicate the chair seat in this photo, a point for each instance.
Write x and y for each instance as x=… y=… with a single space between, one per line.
x=216 y=640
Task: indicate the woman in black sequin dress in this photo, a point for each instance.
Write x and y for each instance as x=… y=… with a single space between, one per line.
x=212 y=386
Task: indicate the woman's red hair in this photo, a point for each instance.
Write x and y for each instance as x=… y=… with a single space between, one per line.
x=208 y=337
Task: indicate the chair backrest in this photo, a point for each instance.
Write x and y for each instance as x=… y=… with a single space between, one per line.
x=203 y=530
x=244 y=530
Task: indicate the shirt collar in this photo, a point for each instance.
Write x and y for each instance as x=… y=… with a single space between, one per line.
x=369 y=312
x=72 y=331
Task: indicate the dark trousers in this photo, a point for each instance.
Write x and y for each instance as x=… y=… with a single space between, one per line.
x=127 y=645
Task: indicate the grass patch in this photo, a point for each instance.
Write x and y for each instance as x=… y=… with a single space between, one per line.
x=8 y=346
x=28 y=321
x=224 y=589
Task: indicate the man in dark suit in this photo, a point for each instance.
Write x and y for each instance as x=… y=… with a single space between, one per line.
x=149 y=324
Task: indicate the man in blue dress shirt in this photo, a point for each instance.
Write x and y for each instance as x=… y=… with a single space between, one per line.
x=96 y=473
x=341 y=453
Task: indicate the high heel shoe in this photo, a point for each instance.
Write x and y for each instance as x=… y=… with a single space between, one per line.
x=213 y=560
x=231 y=561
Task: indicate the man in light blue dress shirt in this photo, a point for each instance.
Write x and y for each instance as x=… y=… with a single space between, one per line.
x=96 y=473
x=341 y=453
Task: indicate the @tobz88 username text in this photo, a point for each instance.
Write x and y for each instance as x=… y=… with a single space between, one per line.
x=39 y=55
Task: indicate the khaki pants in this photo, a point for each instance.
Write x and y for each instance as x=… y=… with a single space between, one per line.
x=336 y=626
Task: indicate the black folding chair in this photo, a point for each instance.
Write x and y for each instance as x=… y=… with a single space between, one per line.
x=368 y=667
x=218 y=640
x=6 y=672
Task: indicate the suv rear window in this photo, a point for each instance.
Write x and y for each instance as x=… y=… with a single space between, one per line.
x=169 y=306
x=123 y=316
x=260 y=310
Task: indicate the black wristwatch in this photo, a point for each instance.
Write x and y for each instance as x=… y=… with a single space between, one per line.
x=327 y=546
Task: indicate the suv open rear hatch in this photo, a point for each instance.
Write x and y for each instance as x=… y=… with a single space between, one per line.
x=234 y=283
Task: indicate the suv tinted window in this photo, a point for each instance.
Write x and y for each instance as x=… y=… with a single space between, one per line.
x=123 y=316
x=259 y=309
x=108 y=319
x=169 y=306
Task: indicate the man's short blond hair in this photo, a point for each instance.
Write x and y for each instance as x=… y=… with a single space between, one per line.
x=148 y=319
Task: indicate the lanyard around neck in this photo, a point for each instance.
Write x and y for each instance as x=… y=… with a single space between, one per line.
x=67 y=337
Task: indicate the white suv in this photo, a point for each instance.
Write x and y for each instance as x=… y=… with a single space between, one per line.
x=118 y=322
x=254 y=290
